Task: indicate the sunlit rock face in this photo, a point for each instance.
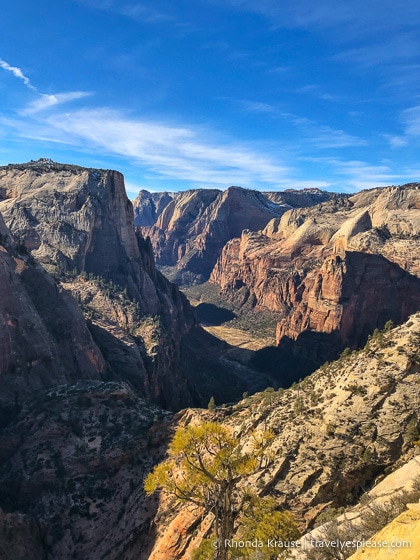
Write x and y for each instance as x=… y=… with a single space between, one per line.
x=191 y=230
x=341 y=268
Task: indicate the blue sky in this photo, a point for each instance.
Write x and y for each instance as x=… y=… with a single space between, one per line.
x=267 y=94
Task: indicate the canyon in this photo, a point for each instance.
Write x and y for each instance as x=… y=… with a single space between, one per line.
x=72 y=462
x=189 y=229
x=333 y=272
x=102 y=358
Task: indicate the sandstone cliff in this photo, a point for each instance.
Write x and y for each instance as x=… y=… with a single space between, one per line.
x=78 y=224
x=149 y=206
x=191 y=230
x=333 y=272
x=44 y=339
x=299 y=198
x=377 y=510
x=403 y=534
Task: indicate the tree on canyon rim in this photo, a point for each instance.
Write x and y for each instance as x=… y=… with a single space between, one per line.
x=205 y=468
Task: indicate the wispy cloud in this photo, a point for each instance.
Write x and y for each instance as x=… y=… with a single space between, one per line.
x=139 y=11
x=47 y=101
x=396 y=141
x=316 y=91
x=411 y=119
x=358 y=18
x=258 y=107
x=328 y=137
x=362 y=175
x=176 y=152
x=323 y=136
x=354 y=175
x=17 y=72
x=179 y=152
x=380 y=34
x=225 y=48
x=396 y=50
x=44 y=100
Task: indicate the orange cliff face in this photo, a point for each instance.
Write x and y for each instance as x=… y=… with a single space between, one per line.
x=341 y=268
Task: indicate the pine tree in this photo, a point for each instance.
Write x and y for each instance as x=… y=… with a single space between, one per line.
x=205 y=468
x=212 y=404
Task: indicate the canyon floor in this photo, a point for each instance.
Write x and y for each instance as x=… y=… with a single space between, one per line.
x=239 y=326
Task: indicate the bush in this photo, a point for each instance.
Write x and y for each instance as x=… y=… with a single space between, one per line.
x=212 y=404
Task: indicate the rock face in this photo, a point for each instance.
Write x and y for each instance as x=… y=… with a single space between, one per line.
x=390 y=496
x=71 y=471
x=404 y=529
x=44 y=339
x=192 y=228
x=149 y=206
x=189 y=229
x=20 y=538
x=300 y=198
x=333 y=272
x=72 y=462
x=78 y=224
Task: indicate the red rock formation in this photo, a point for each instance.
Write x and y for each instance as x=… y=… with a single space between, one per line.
x=352 y=294
x=333 y=268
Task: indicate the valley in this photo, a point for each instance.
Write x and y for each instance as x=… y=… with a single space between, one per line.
x=295 y=313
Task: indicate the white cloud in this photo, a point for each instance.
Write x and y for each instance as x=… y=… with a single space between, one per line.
x=362 y=175
x=327 y=137
x=395 y=51
x=322 y=136
x=45 y=100
x=396 y=141
x=49 y=100
x=17 y=72
x=257 y=107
